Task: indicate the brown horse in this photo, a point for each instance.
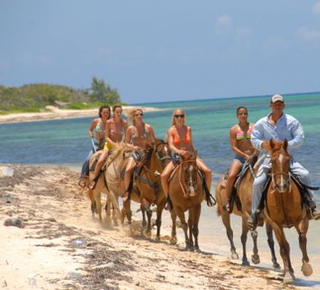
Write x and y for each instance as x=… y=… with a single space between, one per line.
x=244 y=195
x=284 y=209
x=186 y=193
x=146 y=188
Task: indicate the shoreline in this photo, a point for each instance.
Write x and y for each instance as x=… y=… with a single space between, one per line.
x=55 y=113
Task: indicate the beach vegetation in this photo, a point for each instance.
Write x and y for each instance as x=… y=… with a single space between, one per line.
x=36 y=97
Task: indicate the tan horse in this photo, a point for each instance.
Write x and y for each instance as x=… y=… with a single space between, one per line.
x=146 y=188
x=186 y=193
x=244 y=194
x=108 y=183
x=283 y=208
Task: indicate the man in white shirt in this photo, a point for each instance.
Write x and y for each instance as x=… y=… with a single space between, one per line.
x=278 y=126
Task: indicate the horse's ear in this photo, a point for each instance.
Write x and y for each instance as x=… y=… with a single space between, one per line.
x=285 y=144
x=271 y=142
x=267 y=145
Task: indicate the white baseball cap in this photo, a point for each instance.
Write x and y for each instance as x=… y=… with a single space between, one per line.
x=277 y=98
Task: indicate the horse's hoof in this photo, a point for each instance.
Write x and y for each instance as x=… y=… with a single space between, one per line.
x=245 y=263
x=306 y=269
x=173 y=241
x=276 y=266
x=234 y=256
x=255 y=259
x=288 y=278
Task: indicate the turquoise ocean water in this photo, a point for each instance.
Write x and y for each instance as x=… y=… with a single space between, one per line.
x=65 y=142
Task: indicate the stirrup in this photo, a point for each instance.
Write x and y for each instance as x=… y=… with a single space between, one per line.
x=82 y=181
x=92 y=184
x=313 y=214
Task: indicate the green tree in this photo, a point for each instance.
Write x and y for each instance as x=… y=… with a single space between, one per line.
x=103 y=93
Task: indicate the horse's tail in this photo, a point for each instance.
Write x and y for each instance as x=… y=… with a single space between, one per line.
x=209 y=197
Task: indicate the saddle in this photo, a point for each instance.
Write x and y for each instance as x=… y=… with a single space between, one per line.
x=94 y=163
x=306 y=198
x=234 y=198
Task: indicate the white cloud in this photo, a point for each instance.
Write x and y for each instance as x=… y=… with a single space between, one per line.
x=307 y=34
x=224 y=25
x=316 y=8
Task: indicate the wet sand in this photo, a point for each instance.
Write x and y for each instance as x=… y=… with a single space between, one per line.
x=61 y=246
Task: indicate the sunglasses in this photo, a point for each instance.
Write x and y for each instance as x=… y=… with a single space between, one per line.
x=140 y=114
x=243 y=114
x=179 y=116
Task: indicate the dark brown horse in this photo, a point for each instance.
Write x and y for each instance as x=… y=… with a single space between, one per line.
x=244 y=199
x=186 y=193
x=284 y=209
x=146 y=188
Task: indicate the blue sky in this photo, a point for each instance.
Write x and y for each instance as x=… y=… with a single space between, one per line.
x=153 y=51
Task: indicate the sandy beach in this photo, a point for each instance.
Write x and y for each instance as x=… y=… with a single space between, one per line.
x=54 y=113
x=57 y=244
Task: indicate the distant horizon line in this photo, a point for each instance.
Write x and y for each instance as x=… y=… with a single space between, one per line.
x=224 y=98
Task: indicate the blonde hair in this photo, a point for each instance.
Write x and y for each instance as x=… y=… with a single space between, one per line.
x=175 y=113
x=131 y=114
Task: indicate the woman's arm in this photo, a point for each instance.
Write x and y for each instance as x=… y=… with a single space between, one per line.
x=107 y=134
x=127 y=139
x=92 y=127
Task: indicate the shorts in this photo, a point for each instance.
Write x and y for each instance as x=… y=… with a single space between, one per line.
x=107 y=146
x=175 y=157
x=239 y=158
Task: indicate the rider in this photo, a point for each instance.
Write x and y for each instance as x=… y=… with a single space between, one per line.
x=97 y=134
x=180 y=143
x=138 y=135
x=278 y=126
x=240 y=140
x=114 y=133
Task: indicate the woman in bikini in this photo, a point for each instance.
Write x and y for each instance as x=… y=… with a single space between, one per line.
x=114 y=133
x=240 y=140
x=180 y=143
x=138 y=135
x=97 y=134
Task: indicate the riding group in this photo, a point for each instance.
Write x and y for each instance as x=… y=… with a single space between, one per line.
x=263 y=184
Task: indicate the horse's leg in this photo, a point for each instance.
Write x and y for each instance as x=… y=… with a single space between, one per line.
x=190 y=226
x=288 y=275
x=244 y=235
x=97 y=198
x=146 y=205
x=302 y=229
x=173 y=239
x=160 y=208
x=195 y=229
x=184 y=225
x=226 y=222
x=143 y=212
x=269 y=232
x=255 y=257
x=93 y=203
x=126 y=211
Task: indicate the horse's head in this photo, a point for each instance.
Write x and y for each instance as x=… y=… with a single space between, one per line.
x=190 y=171
x=163 y=152
x=280 y=164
